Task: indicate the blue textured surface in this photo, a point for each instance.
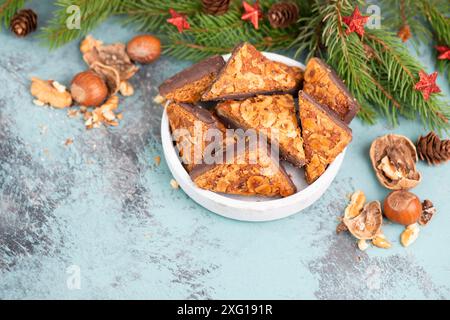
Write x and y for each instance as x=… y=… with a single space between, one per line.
x=101 y=204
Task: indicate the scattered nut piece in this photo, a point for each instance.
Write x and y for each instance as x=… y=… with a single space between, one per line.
x=357 y=201
x=410 y=234
x=341 y=227
x=58 y=86
x=362 y=245
x=89 y=43
x=126 y=89
x=428 y=210
x=68 y=141
x=72 y=113
x=119 y=116
x=380 y=241
x=159 y=99
x=174 y=184
x=109 y=115
x=45 y=92
x=157 y=160
x=38 y=103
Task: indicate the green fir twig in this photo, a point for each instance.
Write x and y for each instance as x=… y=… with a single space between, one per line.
x=8 y=9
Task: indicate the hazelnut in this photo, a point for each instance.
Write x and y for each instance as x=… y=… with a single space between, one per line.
x=402 y=207
x=89 y=89
x=144 y=48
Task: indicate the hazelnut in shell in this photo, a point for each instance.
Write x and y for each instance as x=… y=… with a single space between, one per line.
x=144 y=48
x=89 y=89
x=402 y=207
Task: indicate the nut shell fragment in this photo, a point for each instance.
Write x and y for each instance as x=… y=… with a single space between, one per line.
x=367 y=224
x=394 y=160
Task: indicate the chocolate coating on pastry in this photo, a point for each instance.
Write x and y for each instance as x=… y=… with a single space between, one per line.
x=189 y=84
x=324 y=85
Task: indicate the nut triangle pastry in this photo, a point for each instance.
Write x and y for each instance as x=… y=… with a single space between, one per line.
x=189 y=85
x=273 y=116
x=325 y=136
x=248 y=172
x=323 y=84
x=248 y=73
x=189 y=125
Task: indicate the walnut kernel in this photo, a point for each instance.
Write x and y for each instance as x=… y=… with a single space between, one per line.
x=46 y=92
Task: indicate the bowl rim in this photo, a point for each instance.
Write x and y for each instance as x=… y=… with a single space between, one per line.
x=222 y=199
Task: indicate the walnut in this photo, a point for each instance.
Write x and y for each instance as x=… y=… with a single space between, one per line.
x=126 y=89
x=50 y=92
x=356 y=205
x=367 y=224
x=103 y=114
x=110 y=75
x=428 y=210
x=113 y=55
x=89 y=43
x=394 y=160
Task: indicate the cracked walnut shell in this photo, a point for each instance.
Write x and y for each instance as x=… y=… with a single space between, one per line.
x=113 y=55
x=394 y=160
x=367 y=224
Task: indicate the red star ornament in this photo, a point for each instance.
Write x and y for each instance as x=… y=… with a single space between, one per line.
x=444 y=52
x=178 y=20
x=355 y=22
x=252 y=13
x=427 y=84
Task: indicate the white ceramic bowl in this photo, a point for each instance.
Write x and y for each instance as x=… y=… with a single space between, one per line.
x=250 y=208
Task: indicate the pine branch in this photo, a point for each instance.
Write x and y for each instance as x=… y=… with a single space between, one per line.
x=378 y=69
x=151 y=15
x=439 y=23
x=8 y=9
x=398 y=13
x=398 y=71
x=441 y=29
x=92 y=14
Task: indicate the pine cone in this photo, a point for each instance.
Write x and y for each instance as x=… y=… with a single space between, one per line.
x=24 y=22
x=283 y=14
x=215 y=7
x=432 y=149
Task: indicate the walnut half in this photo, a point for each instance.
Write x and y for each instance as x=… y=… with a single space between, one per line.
x=394 y=160
x=50 y=92
x=367 y=224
